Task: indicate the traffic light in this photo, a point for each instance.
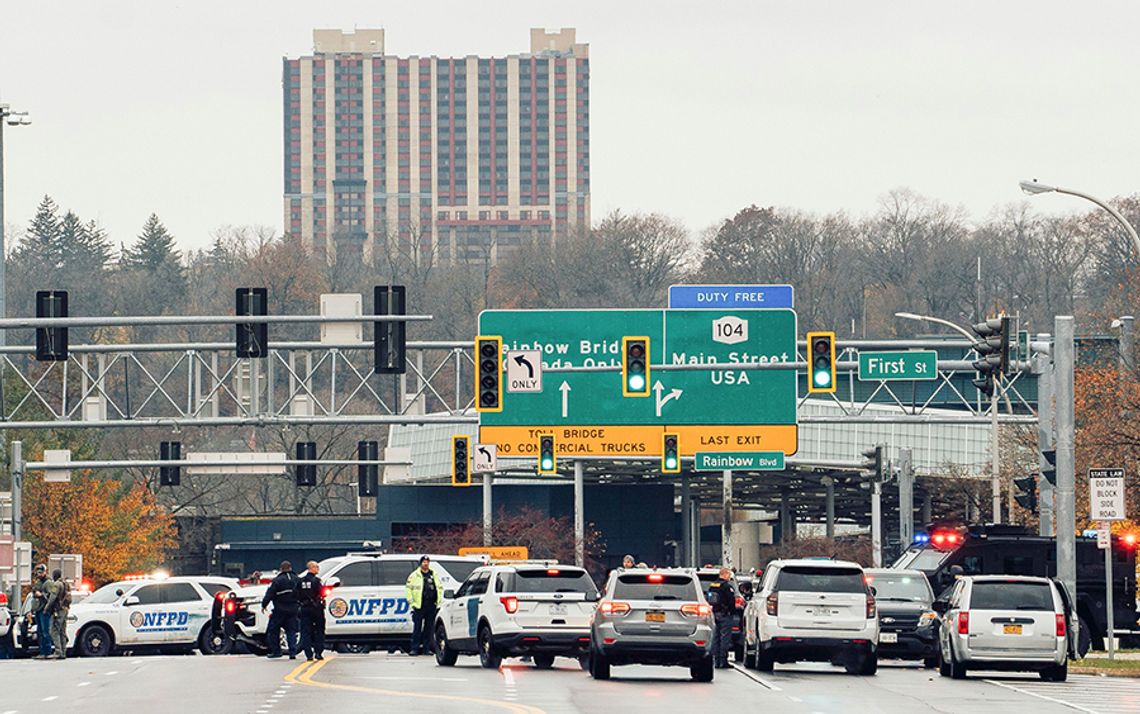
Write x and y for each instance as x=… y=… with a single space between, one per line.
x=635 y=366
x=51 y=342
x=306 y=474
x=367 y=475
x=252 y=337
x=670 y=454
x=489 y=374
x=874 y=462
x=547 y=463
x=390 y=338
x=821 y=365
x=1027 y=492
x=461 y=461
x=1049 y=472
x=992 y=347
x=170 y=475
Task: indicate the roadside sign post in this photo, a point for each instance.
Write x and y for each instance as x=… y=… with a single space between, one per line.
x=1106 y=504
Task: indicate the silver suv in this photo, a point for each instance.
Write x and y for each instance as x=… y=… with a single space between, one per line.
x=652 y=617
x=1005 y=622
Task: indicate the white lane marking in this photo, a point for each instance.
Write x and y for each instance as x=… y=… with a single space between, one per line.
x=509 y=683
x=52 y=698
x=10 y=711
x=280 y=691
x=1062 y=702
x=83 y=684
x=794 y=699
x=424 y=679
x=112 y=672
x=757 y=679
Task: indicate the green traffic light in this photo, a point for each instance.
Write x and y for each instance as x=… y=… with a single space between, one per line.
x=636 y=382
x=823 y=378
x=547 y=463
x=670 y=462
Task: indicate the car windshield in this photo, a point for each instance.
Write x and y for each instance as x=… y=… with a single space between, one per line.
x=1011 y=595
x=108 y=594
x=909 y=587
x=459 y=569
x=655 y=586
x=811 y=579
x=327 y=566
x=927 y=560
x=553 y=581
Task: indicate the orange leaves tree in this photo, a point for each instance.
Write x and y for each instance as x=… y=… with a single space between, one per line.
x=118 y=528
x=1107 y=406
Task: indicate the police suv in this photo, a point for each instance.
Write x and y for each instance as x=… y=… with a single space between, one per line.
x=133 y=615
x=365 y=604
x=511 y=609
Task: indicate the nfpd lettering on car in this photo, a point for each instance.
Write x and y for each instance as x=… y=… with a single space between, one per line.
x=170 y=621
x=374 y=609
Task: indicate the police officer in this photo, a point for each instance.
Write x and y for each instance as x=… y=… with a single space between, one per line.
x=312 y=599
x=44 y=593
x=723 y=600
x=282 y=592
x=424 y=594
x=59 y=613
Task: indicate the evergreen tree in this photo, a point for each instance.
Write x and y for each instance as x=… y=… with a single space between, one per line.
x=153 y=271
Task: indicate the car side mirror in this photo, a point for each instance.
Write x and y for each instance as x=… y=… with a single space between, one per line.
x=874 y=591
x=132 y=600
x=598 y=596
x=449 y=594
x=333 y=582
x=119 y=592
x=940 y=606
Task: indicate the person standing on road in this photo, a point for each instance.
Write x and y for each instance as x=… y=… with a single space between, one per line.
x=312 y=599
x=282 y=592
x=44 y=593
x=59 y=615
x=723 y=600
x=424 y=594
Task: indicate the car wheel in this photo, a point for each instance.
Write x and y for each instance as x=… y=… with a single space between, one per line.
x=930 y=662
x=599 y=665
x=213 y=641
x=749 y=657
x=738 y=653
x=702 y=671
x=488 y=657
x=868 y=664
x=764 y=662
x=1056 y=674
x=95 y=641
x=943 y=665
x=584 y=662
x=445 y=656
x=957 y=669
x=543 y=661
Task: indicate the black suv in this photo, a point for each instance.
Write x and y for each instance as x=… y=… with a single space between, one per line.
x=908 y=625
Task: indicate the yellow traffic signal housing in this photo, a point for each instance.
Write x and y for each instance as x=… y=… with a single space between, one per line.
x=635 y=366
x=460 y=461
x=488 y=374
x=670 y=453
x=821 y=362
x=547 y=459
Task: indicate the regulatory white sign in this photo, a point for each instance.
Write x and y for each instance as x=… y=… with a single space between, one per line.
x=524 y=371
x=1106 y=495
x=485 y=458
x=1103 y=537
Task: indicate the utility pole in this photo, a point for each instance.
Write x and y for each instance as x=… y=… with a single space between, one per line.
x=579 y=515
x=906 y=498
x=1063 y=362
x=726 y=523
x=995 y=456
x=7 y=116
x=1046 y=376
x=488 y=524
x=17 y=517
x=877 y=523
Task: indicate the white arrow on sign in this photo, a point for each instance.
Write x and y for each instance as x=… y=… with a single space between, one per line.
x=485 y=458
x=565 y=389
x=674 y=394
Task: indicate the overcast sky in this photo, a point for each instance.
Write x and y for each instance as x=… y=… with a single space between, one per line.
x=175 y=108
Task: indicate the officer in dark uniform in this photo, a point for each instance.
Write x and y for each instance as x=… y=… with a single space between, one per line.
x=311 y=596
x=282 y=592
x=722 y=597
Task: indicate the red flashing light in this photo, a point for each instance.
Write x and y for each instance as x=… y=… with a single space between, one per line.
x=951 y=538
x=938 y=538
x=1129 y=540
x=655 y=578
x=85 y=586
x=964 y=623
x=510 y=604
x=231 y=607
x=739 y=603
x=326 y=590
x=221 y=595
x=3 y=599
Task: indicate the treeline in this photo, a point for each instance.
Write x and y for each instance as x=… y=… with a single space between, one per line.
x=850 y=274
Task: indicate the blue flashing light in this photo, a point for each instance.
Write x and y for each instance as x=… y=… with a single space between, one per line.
x=921 y=538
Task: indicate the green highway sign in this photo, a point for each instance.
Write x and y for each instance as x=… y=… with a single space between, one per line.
x=725 y=407
x=908 y=365
x=739 y=461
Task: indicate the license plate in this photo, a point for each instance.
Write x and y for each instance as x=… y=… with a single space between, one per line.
x=558 y=609
x=655 y=617
x=1011 y=629
x=888 y=638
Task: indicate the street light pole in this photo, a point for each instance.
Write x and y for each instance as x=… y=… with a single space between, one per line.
x=11 y=118
x=1034 y=188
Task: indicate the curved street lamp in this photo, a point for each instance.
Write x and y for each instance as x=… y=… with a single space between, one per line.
x=11 y=118
x=1034 y=188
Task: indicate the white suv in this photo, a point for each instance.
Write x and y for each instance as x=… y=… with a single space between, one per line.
x=542 y=610
x=1005 y=622
x=812 y=610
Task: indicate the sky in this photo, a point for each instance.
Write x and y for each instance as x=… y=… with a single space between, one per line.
x=697 y=109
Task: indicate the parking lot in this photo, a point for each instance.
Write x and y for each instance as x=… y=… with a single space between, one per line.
x=244 y=683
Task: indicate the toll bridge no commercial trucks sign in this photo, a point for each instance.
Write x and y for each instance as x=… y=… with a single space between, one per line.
x=720 y=409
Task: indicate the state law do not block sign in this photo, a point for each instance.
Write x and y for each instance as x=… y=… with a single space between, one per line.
x=1106 y=495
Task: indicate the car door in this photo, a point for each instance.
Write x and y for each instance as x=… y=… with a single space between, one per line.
x=472 y=602
x=393 y=612
x=351 y=608
x=455 y=616
x=139 y=617
x=187 y=609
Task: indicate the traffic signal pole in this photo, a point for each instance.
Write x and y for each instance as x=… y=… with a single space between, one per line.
x=1045 y=377
x=1063 y=360
x=906 y=498
x=579 y=515
x=726 y=522
x=487 y=505
x=995 y=457
x=17 y=517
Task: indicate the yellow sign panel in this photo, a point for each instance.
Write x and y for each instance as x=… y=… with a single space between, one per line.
x=639 y=440
x=502 y=552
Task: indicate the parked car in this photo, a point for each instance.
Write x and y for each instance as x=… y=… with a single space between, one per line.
x=908 y=624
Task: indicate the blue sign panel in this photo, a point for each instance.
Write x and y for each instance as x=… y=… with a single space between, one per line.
x=719 y=297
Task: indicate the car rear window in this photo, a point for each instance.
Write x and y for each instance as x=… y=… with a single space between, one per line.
x=551 y=581
x=1011 y=595
x=805 y=578
x=655 y=587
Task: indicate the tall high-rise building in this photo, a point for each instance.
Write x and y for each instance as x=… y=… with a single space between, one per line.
x=430 y=158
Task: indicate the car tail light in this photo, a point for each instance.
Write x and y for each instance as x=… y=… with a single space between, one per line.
x=510 y=604
x=694 y=609
x=553 y=572
x=870 y=606
x=963 y=623
x=773 y=604
x=231 y=607
x=221 y=595
x=655 y=578
x=1061 y=626
x=4 y=599
x=609 y=607
x=326 y=590
x=739 y=603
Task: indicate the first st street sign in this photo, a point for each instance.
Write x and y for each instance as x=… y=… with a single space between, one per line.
x=723 y=408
